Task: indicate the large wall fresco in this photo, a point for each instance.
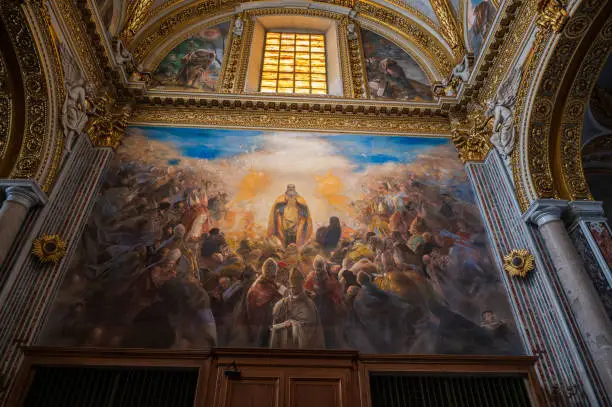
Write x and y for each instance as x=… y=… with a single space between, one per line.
x=392 y=73
x=194 y=64
x=234 y=238
x=480 y=17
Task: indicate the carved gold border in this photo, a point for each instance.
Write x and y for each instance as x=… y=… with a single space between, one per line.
x=574 y=111
x=150 y=38
x=553 y=134
x=329 y=121
x=40 y=68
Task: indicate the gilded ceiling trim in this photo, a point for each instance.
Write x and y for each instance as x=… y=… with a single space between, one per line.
x=554 y=131
x=37 y=156
x=151 y=37
x=520 y=170
x=449 y=26
x=137 y=15
x=297 y=119
x=418 y=13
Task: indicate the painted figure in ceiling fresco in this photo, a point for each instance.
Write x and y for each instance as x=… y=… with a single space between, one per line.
x=194 y=64
x=392 y=73
x=481 y=14
x=178 y=252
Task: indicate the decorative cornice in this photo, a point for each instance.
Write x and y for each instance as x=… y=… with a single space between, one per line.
x=299 y=116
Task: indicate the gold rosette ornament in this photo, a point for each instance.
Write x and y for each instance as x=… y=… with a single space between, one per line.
x=49 y=248
x=519 y=262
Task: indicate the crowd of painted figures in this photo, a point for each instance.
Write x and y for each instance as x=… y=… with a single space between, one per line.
x=155 y=269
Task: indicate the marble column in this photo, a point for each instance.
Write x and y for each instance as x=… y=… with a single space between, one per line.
x=20 y=198
x=586 y=306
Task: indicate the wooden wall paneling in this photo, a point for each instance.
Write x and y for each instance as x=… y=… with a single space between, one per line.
x=299 y=378
x=55 y=356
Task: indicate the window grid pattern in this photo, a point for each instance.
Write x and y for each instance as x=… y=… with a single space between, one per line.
x=294 y=63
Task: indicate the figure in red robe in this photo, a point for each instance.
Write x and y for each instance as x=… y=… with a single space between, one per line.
x=260 y=300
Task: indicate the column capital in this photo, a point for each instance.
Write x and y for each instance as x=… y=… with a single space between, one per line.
x=542 y=211
x=24 y=192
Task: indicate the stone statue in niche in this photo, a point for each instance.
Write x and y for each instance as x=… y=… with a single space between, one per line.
x=123 y=56
x=351 y=31
x=462 y=70
x=501 y=109
x=76 y=106
x=238 y=27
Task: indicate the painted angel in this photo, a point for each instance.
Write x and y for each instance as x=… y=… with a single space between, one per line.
x=501 y=110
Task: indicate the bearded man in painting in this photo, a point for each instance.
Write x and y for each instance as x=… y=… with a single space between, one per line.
x=290 y=218
x=296 y=322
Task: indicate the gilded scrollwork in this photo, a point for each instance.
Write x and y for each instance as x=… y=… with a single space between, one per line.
x=353 y=68
x=35 y=88
x=556 y=122
x=551 y=15
x=228 y=81
x=449 y=26
x=313 y=120
x=471 y=134
x=107 y=122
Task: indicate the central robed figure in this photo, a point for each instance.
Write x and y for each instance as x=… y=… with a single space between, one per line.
x=290 y=218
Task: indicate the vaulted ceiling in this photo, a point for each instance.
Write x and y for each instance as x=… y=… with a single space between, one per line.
x=433 y=27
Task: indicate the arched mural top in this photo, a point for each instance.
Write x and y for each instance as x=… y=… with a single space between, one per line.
x=178 y=23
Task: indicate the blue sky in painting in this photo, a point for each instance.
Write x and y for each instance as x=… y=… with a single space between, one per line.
x=361 y=150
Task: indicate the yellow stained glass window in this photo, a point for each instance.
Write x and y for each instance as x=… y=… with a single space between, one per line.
x=294 y=63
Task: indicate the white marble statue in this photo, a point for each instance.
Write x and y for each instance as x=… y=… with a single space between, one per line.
x=75 y=108
x=462 y=70
x=351 y=32
x=123 y=56
x=238 y=27
x=501 y=109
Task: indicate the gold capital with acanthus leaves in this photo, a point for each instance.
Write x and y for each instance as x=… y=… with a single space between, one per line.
x=107 y=122
x=471 y=134
x=551 y=15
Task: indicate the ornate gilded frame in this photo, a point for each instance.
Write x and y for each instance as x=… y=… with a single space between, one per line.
x=35 y=141
x=551 y=145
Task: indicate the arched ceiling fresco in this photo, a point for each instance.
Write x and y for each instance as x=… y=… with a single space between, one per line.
x=445 y=29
